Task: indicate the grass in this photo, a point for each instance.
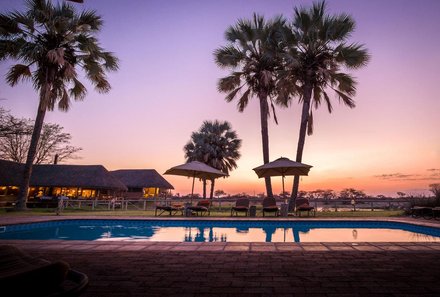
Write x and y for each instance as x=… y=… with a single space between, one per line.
x=214 y=213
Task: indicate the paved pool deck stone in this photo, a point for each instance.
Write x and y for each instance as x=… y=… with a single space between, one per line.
x=332 y=269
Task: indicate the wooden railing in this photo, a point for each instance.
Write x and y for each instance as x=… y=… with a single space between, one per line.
x=224 y=204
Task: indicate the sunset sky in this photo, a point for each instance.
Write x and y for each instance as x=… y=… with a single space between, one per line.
x=166 y=88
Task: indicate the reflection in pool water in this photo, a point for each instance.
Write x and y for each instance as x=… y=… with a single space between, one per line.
x=222 y=231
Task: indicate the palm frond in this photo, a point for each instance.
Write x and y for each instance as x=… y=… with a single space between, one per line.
x=64 y=102
x=244 y=100
x=346 y=99
x=111 y=62
x=89 y=20
x=232 y=94
x=8 y=26
x=274 y=112
x=339 y=27
x=102 y=85
x=353 y=55
x=345 y=83
x=18 y=72
x=228 y=56
x=327 y=100
x=78 y=91
x=229 y=83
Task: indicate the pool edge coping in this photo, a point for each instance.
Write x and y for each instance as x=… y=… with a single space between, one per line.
x=117 y=245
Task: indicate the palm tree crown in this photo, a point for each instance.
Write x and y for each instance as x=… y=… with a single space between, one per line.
x=316 y=52
x=252 y=55
x=51 y=42
x=216 y=145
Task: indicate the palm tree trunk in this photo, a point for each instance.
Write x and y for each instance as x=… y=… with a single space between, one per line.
x=264 y=109
x=204 y=188
x=211 y=195
x=24 y=187
x=301 y=141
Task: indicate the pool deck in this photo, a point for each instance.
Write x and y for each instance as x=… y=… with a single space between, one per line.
x=118 y=268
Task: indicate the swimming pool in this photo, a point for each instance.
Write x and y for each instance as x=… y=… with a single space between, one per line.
x=223 y=231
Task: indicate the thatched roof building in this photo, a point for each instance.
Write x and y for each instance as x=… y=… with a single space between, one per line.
x=10 y=173
x=141 y=178
x=79 y=176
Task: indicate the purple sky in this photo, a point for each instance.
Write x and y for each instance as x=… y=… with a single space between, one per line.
x=166 y=88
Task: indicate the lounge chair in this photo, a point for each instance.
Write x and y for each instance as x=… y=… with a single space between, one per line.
x=422 y=211
x=201 y=208
x=436 y=213
x=24 y=275
x=302 y=204
x=172 y=209
x=241 y=205
x=270 y=205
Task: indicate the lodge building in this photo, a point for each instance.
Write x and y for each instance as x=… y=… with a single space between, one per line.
x=81 y=182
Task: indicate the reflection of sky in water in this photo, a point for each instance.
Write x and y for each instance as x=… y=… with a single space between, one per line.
x=224 y=231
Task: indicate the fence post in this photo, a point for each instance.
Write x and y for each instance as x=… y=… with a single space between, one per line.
x=372 y=206
x=145 y=204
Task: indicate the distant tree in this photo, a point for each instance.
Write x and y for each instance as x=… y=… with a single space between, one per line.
x=50 y=41
x=216 y=145
x=401 y=194
x=251 y=56
x=9 y=125
x=435 y=189
x=317 y=55
x=322 y=194
x=14 y=145
x=219 y=193
x=351 y=193
x=303 y=194
x=285 y=194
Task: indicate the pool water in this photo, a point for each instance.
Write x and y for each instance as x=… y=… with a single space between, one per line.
x=223 y=231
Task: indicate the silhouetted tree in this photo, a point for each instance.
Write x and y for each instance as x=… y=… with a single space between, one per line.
x=316 y=53
x=50 y=41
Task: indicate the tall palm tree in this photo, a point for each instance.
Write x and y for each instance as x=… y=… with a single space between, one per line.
x=251 y=54
x=50 y=42
x=216 y=145
x=316 y=53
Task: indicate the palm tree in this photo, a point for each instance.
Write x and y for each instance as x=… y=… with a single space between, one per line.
x=252 y=57
x=216 y=145
x=316 y=53
x=50 y=42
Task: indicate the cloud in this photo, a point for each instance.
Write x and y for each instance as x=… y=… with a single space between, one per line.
x=395 y=176
x=435 y=176
x=435 y=172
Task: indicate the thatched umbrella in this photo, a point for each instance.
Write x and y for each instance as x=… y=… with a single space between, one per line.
x=195 y=169
x=282 y=167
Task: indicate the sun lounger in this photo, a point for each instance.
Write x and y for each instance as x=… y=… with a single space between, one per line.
x=302 y=204
x=171 y=209
x=202 y=207
x=422 y=211
x=270 y=206
x=436 y=213
x=241 y=205
x=24 y=275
